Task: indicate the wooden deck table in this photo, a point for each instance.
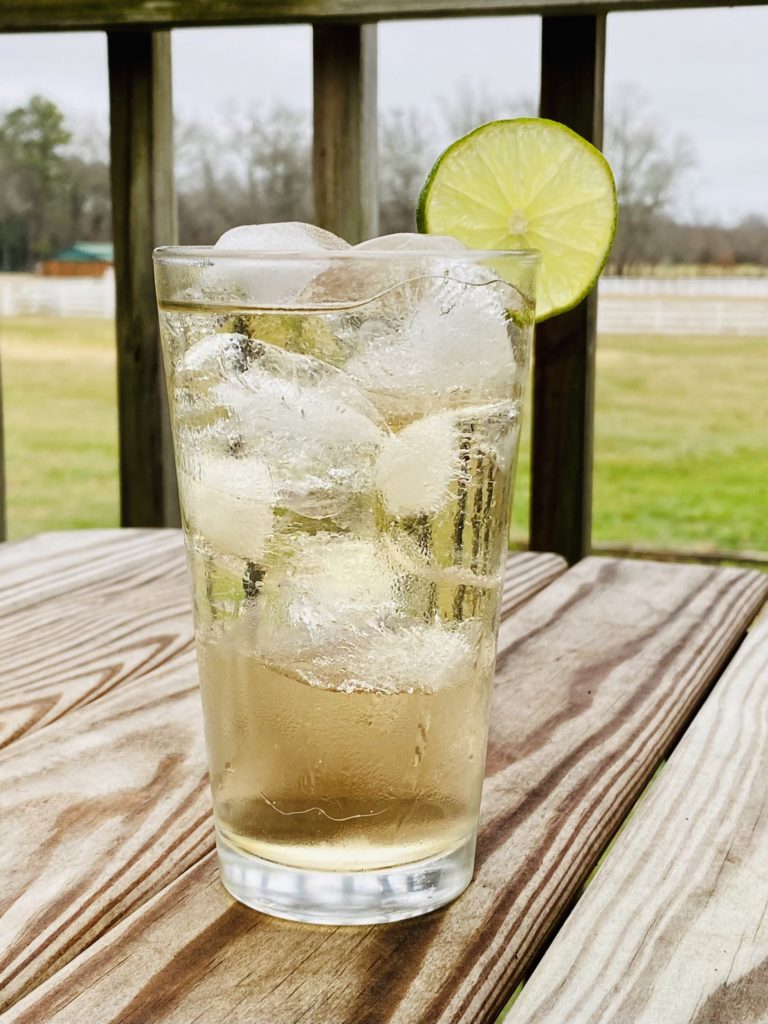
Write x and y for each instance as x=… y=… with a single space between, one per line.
x=110 y=906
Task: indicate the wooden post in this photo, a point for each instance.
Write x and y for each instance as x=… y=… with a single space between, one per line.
x=572 y=66
x=345 y=129
x=143 y=216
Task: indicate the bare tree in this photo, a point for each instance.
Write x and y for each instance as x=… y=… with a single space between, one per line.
x=411 y=140
x=649 y=171
x=252 y=166
x=474 y=104
x=406 y=152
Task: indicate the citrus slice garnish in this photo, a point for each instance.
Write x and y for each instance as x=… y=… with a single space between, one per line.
x=528 y=183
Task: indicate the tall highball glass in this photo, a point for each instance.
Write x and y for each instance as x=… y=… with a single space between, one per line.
x=345 y=428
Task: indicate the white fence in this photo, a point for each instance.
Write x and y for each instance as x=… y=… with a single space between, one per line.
x=699 y=305
x=712 y=287
x=687 y=305
x=670 y=314
x=22 y=294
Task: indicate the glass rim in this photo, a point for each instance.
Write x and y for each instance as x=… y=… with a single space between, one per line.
x=200 y=255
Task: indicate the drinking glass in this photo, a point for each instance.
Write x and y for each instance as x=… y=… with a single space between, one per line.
x=345 y=427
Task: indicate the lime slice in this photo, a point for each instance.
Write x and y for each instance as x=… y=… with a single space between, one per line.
x=528 y=183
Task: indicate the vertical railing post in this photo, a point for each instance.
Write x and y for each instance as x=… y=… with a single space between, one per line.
x=143 y=216
x=572 y=67
x=345 y=129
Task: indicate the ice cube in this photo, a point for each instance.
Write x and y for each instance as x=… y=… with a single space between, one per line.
x=409 y=260
x=227 y=501
x=218 y=355
x=415 y=658
x=277 y=282
x=283 y=237
x=439 y=341
x=329 y=590
x=417 y=466
x=311 y=425
x=411 y=240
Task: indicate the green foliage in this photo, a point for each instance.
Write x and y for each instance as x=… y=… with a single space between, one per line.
x=680 y=435
x=34 y=173
x=52 y=196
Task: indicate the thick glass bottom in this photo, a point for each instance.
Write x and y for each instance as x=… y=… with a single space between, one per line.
x=346 y=897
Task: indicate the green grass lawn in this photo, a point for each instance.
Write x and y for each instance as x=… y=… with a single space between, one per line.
x=681 y=443
x=681 y=435
x=59 y=398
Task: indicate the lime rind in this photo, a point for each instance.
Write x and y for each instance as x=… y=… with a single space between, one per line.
x=566 y=205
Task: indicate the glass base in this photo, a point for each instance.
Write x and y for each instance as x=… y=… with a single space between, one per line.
x=346 y=897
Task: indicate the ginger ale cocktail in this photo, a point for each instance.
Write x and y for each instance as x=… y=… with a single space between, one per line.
x=345 y=423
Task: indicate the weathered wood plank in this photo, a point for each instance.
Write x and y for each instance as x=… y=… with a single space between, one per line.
x=572 y=72
x=345 y=130
x=596 y=676
x=131 y=616
x=675 y=927
x=3 y=498
x=49 y=15
x=527 y=572
x=101 y=809
x=143 y=216
x=50 y=565
x=113 y=585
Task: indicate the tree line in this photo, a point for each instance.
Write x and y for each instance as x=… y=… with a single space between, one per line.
x=255 y=165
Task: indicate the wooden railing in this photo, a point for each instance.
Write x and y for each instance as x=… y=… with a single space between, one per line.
x=344 y=164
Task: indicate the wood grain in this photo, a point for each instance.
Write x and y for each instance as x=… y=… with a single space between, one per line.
x=572 y=73
x=675 y=926
x=345 y=135
x=3 y=497
x=49 y=15
x=99 y=812
x=143 y=216
x=597 y=675
x=50 y=565
x=121 y=609
x=104 y=807
x=75 y=639
x=527 y=572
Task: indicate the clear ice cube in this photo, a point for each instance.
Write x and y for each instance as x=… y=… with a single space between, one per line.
x=418 y=465
x=411 y=240
x=308 y=422
x=269 y=281
x=283 y=237
x=412 y=658
x=215 y=356
x=331 y=614
x=438 y=340
x=228 y=502
x=329 y=590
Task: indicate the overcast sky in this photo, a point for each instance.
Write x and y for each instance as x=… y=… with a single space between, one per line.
x=704 y=73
